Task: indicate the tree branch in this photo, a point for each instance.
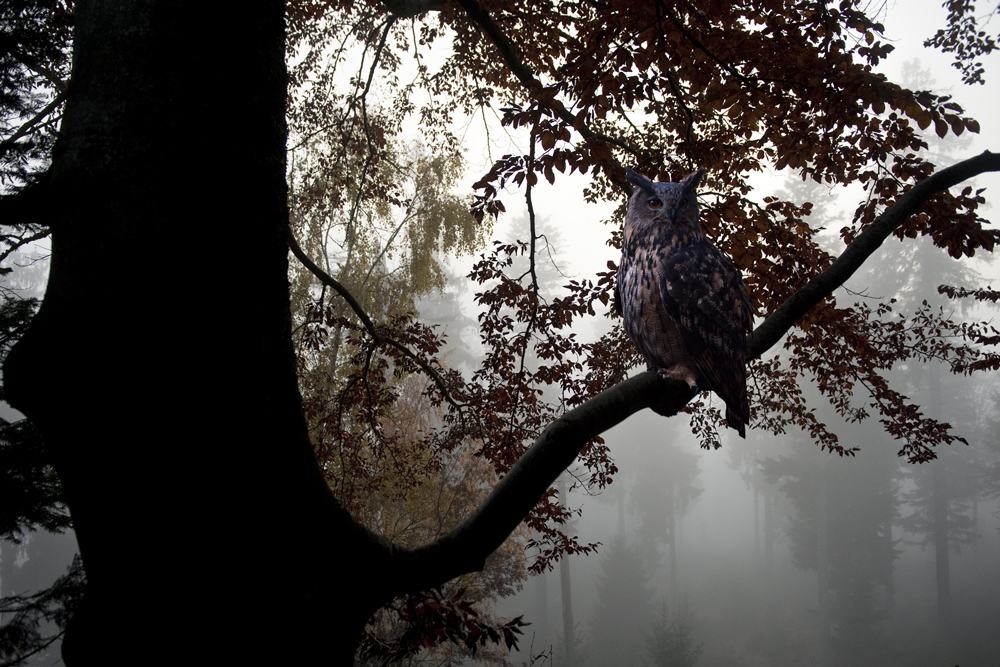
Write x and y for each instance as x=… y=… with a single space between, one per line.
x=28 y=206
x=466 y=547
x=379 y=338
x=15 y=243
x=7 y=143
x=45 y=72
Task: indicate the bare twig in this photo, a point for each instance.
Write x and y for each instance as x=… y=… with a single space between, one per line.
x=379 y=338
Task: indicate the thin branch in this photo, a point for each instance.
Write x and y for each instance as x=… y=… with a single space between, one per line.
x=332 y=282
x=379 y=338
x=533 y=320
x=7 y=143
x=21 y=242
x=45 y=72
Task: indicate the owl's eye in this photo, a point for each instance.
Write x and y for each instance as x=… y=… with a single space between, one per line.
x=655 y=203
x=683 y=203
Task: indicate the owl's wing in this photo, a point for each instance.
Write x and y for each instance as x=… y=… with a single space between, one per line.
x=703 y=293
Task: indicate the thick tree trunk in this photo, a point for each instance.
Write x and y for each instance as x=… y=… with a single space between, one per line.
x=159 y=368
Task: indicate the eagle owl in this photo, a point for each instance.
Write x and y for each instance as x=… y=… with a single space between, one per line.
x=683 y=302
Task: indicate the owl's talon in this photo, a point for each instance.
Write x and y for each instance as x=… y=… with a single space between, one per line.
x=683 y=376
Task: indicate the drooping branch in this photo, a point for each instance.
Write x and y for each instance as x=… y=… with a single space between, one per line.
x=861 y=248
x=465 y=548
x=376 y=335
x=49 y=74
x=15 y=243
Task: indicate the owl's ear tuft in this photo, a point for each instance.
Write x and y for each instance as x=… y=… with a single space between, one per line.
x=639 y=181
x=691 y=181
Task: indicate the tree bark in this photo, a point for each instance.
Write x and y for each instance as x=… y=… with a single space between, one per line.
x=160 y=369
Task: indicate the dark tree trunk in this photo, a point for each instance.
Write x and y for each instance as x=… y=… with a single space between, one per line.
x=939 y=501
x=823 y=565
x=769 y=532
x=159 y=369
x=939 y=512
x=569 y=625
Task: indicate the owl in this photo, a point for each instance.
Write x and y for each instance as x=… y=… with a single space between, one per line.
x=684 y=304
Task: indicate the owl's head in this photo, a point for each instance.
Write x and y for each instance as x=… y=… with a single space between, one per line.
x=674 y=205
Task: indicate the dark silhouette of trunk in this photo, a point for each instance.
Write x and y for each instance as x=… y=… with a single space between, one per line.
x=939 y=490
x=756 y=517
x=939 y=512
x=769 y=530
x=888 y=555
x=541 y=584
x=823 y=565
x=569 y=634
x=565 y=585
x=671 y=514
x=159 y=369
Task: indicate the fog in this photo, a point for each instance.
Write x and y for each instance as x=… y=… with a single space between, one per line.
x=784 y=556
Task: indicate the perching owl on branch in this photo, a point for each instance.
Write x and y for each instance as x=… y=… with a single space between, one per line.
x=684 y=303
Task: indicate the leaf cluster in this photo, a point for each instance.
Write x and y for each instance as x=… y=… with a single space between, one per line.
x=432 y=621
x=963 y=37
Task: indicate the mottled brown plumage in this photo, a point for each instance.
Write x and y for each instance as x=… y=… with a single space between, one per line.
x=684 y=303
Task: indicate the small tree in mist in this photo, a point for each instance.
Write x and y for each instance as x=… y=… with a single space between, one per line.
x=623 y=607
x=841 y=528
x=669 y=642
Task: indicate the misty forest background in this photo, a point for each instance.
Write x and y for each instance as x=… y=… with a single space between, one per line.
x=767 y=551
